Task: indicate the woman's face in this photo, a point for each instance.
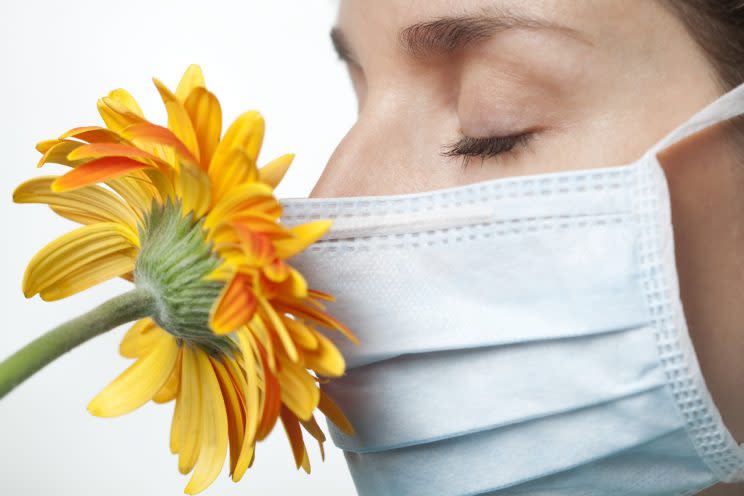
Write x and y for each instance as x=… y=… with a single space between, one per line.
x=561 y=84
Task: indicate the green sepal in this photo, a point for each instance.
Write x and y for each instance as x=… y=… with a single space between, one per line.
x=172 y=264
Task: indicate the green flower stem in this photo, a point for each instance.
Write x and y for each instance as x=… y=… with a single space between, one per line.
x=133 y=305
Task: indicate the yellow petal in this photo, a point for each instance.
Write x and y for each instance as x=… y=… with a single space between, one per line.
x=233 y=170
x=44 y=146
x=137 y=385
x=295 y=285
x=193 y=78
x=119 y=109
x=178 y=417
x=193 y=187
x=136 y=189
x=303 y=236
x=213 y=427
x=304 y=337
x=86 y=276
x=139 y=338
x=246 y=198
x=124 y=98
x=273 y=172
x=56 y=152
x=251 y=393
x=170 y=388
x=334 y=414
x=245 y=133
x=97 y=202
x=206 y=116
x=178 y=119
x=191 y=431
x=298 y=389
x=278 y=327
x=325 y=359
x=78 y=248
x=262 y=336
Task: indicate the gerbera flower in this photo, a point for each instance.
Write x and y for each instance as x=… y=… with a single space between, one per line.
x=184 y=213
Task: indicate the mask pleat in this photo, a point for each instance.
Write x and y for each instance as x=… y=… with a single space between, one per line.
x=504 y=457
x=414 y=399
x=438 y=292
x=626 y=471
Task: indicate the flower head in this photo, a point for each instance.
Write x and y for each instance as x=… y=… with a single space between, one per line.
x=184 y=212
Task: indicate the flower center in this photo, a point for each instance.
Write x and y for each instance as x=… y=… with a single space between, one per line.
x=173 y=261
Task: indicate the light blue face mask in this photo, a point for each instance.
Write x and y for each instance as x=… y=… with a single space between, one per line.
x=519 y=336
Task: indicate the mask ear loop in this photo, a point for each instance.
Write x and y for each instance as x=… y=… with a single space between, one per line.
x=725 y=107
x=728 y=106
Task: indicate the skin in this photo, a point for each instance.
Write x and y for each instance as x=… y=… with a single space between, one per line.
x=598 y=96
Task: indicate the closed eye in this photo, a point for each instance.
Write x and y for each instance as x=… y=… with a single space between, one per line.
x=468 y=147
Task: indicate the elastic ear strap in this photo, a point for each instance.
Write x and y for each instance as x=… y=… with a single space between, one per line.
x=725 y=107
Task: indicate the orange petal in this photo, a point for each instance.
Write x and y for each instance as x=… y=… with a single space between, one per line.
x=272 y=398
x=257 y=247
x=294 y=434
x=234 y=409
x=151 y=134
x=92 y=134
x=96 y=171
x=317 y=316
x=100 y=150
x=321 y=295
x=235 y=306
x=314 y=429
x=294 y=285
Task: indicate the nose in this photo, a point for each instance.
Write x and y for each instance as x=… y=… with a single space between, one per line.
x=383 y=152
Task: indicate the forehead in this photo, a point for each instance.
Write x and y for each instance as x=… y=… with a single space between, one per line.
x=374 y=24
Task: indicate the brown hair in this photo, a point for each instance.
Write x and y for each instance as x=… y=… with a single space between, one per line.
x=718 y=27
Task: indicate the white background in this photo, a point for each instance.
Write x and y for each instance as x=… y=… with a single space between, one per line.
x=57 y=59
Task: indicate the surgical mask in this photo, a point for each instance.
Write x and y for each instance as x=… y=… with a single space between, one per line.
x=520 y=335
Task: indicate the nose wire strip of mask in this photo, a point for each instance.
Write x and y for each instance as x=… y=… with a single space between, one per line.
x=351 y=227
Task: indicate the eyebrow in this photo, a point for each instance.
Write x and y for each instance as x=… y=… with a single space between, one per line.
x=342 y=46
x=448 y=34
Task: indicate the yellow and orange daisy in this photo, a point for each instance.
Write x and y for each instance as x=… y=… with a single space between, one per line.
x=183 y=211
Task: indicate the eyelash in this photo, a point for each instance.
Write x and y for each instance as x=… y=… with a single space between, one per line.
x=468 y=147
